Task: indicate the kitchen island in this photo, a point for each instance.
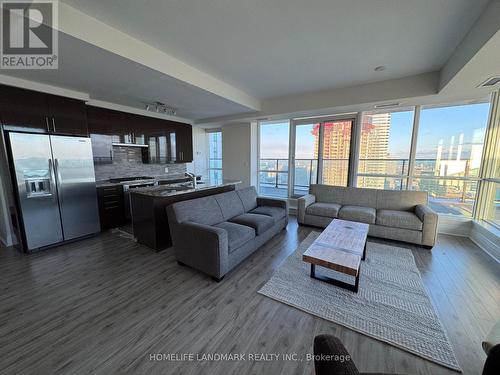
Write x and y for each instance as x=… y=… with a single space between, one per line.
x=148 y=208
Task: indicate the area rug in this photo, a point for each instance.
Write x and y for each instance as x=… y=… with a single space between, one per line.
x=391 y=305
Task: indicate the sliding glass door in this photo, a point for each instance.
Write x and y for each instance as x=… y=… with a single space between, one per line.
x=321 y=153
x=305 y=163
x=273 y=160
x=336 y=142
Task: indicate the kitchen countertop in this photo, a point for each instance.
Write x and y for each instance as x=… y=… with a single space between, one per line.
x=166 y=179
x=169 y=190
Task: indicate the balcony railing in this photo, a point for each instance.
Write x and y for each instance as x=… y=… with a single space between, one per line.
x=456 y=196
x=214 y=163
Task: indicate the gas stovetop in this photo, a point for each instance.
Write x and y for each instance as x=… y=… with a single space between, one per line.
x=126 y=179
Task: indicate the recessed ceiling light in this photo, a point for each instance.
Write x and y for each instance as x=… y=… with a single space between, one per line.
x=379 y=68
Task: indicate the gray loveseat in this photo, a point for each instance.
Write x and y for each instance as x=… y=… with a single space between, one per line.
x=396 y=215
x=214 y=234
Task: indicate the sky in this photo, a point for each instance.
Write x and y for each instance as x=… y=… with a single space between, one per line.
x=435 y=124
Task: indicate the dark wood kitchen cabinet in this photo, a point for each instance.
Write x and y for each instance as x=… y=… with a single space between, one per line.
x=184 y=145
x=167 y=141
x=27 y=110
x=67 y=116
x=23 y=110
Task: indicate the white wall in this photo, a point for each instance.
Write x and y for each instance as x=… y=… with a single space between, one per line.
x=239 y=152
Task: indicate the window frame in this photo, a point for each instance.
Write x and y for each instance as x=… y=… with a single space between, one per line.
x=478 y=212
x=259 y=170
x=405 y=178
x=411 y=176
x=209 y=158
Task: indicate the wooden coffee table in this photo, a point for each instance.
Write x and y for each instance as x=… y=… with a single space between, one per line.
x=340 y=247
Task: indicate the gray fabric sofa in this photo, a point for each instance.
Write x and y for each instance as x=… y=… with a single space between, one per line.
x=214 y=234
x=396 y=215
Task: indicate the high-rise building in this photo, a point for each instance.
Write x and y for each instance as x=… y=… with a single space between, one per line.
x=336 y=147
x=374 y=149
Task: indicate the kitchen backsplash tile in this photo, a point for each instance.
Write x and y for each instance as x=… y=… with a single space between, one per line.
x=127 y=162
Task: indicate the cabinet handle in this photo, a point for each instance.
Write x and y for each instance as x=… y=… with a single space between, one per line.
x=47 y=123
x=54 y=124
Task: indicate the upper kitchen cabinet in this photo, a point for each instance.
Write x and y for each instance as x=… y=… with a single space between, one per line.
x=26 y=110
x=184 y=143
x=166 y=141
x=122 y=126
x=23 y=110
x=67 y=116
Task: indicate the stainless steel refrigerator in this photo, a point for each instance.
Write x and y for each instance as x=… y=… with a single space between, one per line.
x=56 y=188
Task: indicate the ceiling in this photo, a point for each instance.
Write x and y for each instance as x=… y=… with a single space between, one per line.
x=220 y=59
x=109 y=77
x=283 y=47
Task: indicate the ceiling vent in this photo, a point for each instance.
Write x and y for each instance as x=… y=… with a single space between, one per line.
x=490 y=82
x=388 y=105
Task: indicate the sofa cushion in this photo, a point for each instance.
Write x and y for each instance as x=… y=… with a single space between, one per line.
x=323 y=209
x=237 y=234
x=276 y=213
x=230 y=204
x=398 y=219
x=204 y=210
x=260 y=223
x=360 y=197
x=248 y=197
x=405 y=200
x=358 y=213
x=327 y=193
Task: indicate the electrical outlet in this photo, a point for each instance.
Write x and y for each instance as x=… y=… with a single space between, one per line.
x=166 y=169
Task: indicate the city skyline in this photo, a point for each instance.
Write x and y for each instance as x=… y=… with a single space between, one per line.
x=440 y=123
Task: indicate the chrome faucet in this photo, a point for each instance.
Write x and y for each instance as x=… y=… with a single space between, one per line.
x=193 y=177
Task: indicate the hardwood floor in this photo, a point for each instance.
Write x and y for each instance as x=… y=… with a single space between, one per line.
x=105 y=304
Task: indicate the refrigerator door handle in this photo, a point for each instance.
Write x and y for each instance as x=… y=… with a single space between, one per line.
x=58 y=180
x=52 y=178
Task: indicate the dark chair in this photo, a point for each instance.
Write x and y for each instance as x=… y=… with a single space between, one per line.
x=332 y=358
x=491 y=347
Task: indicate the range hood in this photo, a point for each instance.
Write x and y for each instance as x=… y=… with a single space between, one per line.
x=129 y=145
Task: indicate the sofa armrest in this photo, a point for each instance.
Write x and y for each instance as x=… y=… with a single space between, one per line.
x=302 y=203
x=429 y=219
x=331 y=357
x=281 y=203
x=201 y=246
x=493 y=338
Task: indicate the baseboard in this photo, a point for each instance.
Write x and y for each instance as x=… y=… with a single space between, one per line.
x=454 y=226
x=486 y=239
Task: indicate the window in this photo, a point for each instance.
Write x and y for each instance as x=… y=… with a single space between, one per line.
x=384 y=150
x=492 y=193
x=489 y=196
x=448 y=156
x=306 y=157
x=215 y=156
x=273 y=162
x=322 y=152
x=335 y=152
